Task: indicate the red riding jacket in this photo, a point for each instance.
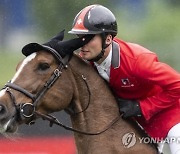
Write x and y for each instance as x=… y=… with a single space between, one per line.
x=137 y=74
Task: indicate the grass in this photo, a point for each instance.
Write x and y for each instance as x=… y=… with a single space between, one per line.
x=8 y=62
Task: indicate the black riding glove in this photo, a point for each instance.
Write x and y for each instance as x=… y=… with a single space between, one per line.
x=129 y=108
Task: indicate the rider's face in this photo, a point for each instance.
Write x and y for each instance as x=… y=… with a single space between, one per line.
x=92 y=48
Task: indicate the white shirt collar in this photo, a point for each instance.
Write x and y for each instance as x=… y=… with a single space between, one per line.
x=105 y=65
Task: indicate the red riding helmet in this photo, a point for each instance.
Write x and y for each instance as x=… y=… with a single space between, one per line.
x=94 y=19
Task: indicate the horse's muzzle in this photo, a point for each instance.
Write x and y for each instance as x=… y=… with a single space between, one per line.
x=8 y=122
x=11 y=125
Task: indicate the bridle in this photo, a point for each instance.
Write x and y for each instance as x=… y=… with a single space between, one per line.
x=28 y=110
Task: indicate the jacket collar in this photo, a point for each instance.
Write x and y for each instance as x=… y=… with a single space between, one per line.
x=115 y=61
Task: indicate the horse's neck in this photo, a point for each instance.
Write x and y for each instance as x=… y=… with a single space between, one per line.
x=99 y=114
x=102 y=105
x=102 y=109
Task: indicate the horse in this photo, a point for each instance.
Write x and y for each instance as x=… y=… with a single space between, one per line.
x=46 y=81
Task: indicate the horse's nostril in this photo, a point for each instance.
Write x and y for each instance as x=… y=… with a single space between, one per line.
x=2 y=110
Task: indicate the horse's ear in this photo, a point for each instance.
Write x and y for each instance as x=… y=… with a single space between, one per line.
x=68 y=46
x=33 y=47
x=59 y=36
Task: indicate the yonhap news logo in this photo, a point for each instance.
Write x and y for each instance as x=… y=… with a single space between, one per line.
x=130 y=139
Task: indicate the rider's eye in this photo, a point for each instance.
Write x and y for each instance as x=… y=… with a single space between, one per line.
x=43 y=66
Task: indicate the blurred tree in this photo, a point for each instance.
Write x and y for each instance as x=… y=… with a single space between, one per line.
x=55 y=15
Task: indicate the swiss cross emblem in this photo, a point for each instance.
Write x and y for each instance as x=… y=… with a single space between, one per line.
x=126 y=83
x=79 y=21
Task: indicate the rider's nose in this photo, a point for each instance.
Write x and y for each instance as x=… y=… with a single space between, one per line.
x=3 y=111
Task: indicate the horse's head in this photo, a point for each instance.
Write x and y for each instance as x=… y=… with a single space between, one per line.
x=28 y=92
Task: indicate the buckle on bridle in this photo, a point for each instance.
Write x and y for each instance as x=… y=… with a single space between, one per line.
x=57 y=72
x=27 y=110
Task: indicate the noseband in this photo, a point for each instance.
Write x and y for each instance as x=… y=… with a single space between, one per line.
x=28 y=110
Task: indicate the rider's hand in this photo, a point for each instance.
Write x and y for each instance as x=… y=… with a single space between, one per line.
x=129 y=108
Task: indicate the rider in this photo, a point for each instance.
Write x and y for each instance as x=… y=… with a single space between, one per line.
x=147 y=89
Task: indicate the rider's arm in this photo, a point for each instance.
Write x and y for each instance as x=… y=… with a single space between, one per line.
x=149 y=68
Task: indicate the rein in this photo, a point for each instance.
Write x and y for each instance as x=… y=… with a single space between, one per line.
x=28 y=110
x=54 y=120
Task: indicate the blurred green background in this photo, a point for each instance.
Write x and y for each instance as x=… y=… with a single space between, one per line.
x=152 y=24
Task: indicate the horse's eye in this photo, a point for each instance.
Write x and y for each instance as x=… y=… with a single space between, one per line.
x=43 y=66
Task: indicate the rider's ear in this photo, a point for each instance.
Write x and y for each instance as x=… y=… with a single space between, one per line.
x=109 y=39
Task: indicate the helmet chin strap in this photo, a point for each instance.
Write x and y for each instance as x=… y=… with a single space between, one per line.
x=104 y=46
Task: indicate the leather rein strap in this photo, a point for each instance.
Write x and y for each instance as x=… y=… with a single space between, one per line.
x=54 y=120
